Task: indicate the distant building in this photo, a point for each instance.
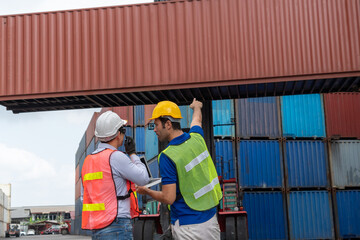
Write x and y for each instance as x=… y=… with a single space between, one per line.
x=5 y=200
x=46 y=213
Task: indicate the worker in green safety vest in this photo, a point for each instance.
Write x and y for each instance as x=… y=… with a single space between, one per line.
x=190 y=182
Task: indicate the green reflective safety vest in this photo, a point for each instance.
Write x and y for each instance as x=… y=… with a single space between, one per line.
x=198 y=180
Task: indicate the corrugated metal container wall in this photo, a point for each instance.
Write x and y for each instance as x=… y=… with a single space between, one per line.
x=90 y=131
x=91 y=147
x=77 y=173
x=224 y=131
x=81 y=163
x=186 y=113
x=78 y=189
x=258 y=117
x=151 y=144
x=225 y=162
x=223 y=112
x=342 y=112
x=139 y=119
x=81 y=149
x=154 y=169
x=78 y=207
x=348 y=213
x=266 y=215
x=223 y=118
x=345 y=163
x=310 y=215
x=148 y=109
x=260 y=164
x=306 y=164
x=140 y=139
x=126 y=112
x=303 y=116
x=186 y=42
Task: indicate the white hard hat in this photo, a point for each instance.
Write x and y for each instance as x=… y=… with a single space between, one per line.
x=107 y=126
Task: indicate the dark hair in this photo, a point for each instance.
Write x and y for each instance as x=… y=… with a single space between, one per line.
x=175 y=125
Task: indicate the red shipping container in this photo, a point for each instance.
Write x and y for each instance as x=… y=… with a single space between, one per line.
x=342 y=115
x=126 y=113
x=77 y=173
x=90 y=131
x=176 y=45
x=78 y=189
x=148 y=109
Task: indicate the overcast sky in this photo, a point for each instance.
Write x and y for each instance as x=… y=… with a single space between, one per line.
x=37 y=150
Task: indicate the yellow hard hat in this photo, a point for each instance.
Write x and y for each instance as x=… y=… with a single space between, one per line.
x=166 y=108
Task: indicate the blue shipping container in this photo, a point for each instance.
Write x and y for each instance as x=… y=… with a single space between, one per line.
x=310 y=215
x=225 y=162
x=151 y=144
x=258 y=117
x=224 y=131
x=303 y=116
x=266 y=215
x=260 y=164
x=186 y=113
x=140 y=139
x=306 y=164
x=223 y=112
x=223 y=118
x=348 y=212
x=139 y=116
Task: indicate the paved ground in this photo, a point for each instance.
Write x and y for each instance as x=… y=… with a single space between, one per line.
x=52 y=237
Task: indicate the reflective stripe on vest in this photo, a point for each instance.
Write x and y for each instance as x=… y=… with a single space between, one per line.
x=94 y=207
x=198 y=179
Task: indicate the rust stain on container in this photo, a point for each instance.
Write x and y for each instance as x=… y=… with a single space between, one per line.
x=176 y=45
x=342 y=114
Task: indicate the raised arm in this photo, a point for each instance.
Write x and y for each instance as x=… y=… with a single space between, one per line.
x=197 y=115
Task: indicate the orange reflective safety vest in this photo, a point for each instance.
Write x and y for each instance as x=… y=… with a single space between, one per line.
x=100 y=201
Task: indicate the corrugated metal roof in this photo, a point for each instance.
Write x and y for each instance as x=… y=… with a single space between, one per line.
x=140 y=54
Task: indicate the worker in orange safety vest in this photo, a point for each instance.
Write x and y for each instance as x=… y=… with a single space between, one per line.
x=108 y=177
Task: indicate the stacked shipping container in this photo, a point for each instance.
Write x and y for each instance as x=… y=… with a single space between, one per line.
x=289 y=164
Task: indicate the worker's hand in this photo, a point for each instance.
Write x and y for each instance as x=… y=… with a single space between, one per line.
x=129 y=146
x=196 y=104
x=141 y=190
